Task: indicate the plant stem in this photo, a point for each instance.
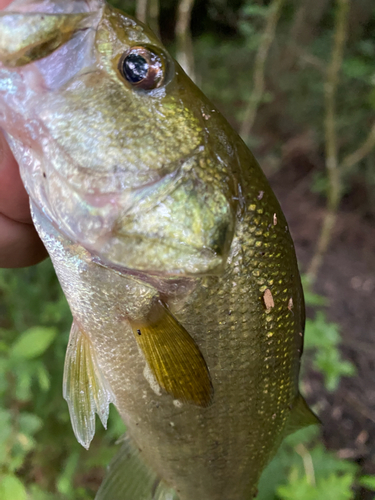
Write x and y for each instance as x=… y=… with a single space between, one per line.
x=141 y=10
x=153 y=16
x=332 y=152
x=364 y=149
x=147 y=11
x=185 y=54
x=259 y=69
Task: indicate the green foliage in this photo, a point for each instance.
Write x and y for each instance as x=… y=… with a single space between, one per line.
x=338 y=487
x=11 y=487
x=303 y=469
x=368 y=482
x=32 y=343
x=323 y=337
x=36 y=439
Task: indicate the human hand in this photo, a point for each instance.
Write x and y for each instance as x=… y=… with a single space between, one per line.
x=20 y=245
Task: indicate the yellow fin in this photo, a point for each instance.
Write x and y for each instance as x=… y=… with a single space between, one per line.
x=26 y=37
x=84 y=387
x=173 y=357
x=300 y=416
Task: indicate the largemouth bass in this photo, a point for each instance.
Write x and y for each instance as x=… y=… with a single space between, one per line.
x=171 y=248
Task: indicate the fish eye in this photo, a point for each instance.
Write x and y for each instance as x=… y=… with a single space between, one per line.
x=143 y=67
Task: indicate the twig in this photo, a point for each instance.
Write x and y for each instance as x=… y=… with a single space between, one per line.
x=308 y=464
x=185 y=54
x=153 y=16
x=332 y=160
x=259 y=69
x=308 y=58
x=147 y=11
x=141 y=10
x=366 y=147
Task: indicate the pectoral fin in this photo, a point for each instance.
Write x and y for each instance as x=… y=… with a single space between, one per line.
x=84 y=387
x=300 y=416
x=26 y=37
x=173 y=357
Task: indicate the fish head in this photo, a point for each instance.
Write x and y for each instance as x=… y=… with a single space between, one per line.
x=116 y=145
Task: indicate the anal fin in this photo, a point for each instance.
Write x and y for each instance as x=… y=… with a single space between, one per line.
x=300 y=416
x=129 y=478
x=173 y=357
x=84 y=387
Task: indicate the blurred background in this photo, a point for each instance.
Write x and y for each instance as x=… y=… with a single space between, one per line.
x=297 y=80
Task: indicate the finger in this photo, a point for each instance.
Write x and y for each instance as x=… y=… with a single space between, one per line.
x=20 y=245
x=14 y=201
x=4 y=3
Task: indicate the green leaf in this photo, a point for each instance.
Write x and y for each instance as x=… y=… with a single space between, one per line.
x=371 y=98
x=320 y=333
x=33 y=342
x=3 y=346
x=330 y=363
x=23 y=376
x=11 y=488
x=65 y=481
x=29 y=423
x=43 y=377
x=368 y=482
x=36 y=493
x=332 y=487
x=255 y=10
x=326 y=463
x=355 y=67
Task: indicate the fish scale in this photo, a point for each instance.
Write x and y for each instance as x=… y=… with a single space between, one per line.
x=170 y=247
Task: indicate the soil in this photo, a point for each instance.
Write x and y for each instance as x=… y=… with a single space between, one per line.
x=347 y=279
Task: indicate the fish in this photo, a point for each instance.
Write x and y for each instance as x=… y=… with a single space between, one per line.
x=171 y=249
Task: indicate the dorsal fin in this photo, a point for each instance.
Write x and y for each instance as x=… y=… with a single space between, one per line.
x=129 y=478
x=84 y=387
x=300 y=416
x=173 y=357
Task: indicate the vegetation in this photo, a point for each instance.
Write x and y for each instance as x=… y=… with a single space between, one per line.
x=279 y=70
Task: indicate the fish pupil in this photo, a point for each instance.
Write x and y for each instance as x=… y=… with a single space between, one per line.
x=135 y=68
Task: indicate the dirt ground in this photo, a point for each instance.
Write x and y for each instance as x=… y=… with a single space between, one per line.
x=347 y=278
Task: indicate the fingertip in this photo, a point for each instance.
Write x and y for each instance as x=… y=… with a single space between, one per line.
x=14 y=201
x=20 y=245
x=4 y=3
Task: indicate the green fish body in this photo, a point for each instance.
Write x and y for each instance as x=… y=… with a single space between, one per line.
x=171 y=248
